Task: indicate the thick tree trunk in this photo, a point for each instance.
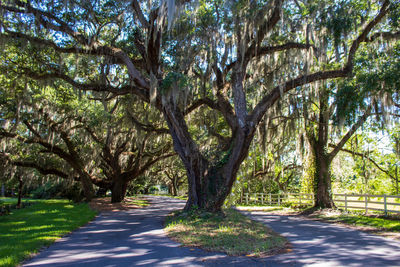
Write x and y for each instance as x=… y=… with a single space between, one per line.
x=20 y=185
x=87 y=186
x=209 y=183
x=118 y=190
x=174 y=190
x=322 y=179
x=208 y=191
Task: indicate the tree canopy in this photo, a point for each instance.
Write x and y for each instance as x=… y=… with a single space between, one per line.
x=215 y=70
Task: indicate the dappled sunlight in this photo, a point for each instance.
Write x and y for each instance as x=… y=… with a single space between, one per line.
x=48 y=221
x=105 y=231
x=315 y=242
x=134 y=237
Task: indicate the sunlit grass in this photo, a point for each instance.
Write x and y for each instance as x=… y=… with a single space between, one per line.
x=167 y=195
x=25 y=231
x=137 y=201
x=234 y=234
x=379 y=223
x=266 y=208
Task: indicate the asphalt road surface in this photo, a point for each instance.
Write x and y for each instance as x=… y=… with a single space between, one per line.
x=136 y=238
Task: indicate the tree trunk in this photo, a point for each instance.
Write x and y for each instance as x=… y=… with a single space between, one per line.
x=397 y=181
x=209 y=183
x=20 y=185
x=87 y=186
x=118 y=190
x=322 y=179
x=3 y=190
x=174 y=188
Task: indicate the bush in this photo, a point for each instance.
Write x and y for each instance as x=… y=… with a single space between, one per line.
x=59 y=190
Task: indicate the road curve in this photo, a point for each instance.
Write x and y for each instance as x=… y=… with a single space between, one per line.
x=130 y=238
x=136 y=238
x=322 y=244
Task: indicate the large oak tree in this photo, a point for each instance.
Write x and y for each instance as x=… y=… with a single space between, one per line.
x=238 y=58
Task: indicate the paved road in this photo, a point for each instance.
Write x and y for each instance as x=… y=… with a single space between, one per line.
x=136 y=238
x=130 y=238
x=322 y=244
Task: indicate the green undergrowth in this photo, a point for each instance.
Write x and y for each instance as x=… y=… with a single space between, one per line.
x=24 y=231
x=380 y=223
x=231 y=233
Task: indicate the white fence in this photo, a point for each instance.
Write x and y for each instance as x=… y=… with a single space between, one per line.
x=384 y=203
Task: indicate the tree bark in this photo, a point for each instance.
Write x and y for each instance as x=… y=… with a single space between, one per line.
x=322 y=179
x=118 y=189
x=87 y=185
x=20 y=185
x=209 y=183
x=174 y=188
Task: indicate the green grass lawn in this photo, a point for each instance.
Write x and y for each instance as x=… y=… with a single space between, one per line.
x=25 y=231
x=9 y=200
x=355 y=218
x=234 y=234
x=380 y=223
x=265 y=208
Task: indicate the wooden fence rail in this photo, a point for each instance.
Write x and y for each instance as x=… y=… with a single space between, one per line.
x=385 y=203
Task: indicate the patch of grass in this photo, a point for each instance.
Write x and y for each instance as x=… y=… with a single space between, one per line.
x=180 y=197
x=233 y=233
x=279 y=209
x=167 y=195
x=25 y=231
x=379 y=223
x=141 y=202
x=9 y=200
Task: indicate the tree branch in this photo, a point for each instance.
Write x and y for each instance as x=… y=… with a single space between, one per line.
x=350 y=133
x=139 y=14
x=268 y=100
x=365 y=156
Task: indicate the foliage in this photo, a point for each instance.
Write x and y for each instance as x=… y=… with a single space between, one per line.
x=58 y=190
x=219 y=72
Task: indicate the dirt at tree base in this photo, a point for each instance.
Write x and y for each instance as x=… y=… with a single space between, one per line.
x=104 y=204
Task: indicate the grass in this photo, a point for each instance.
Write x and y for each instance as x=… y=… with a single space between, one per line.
x=233 y=234
x=25 y=231
x=355 y=218
x=265 y=208
x=137 y=201
x=9 y=200
x=380 y=223
x=167 y=195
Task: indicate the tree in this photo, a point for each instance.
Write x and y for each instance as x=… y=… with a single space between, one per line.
x=237 y=58
x=50 y=134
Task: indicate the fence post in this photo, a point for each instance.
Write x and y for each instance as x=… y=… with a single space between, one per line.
x=366 y=204
x=270 y=199
x=262 y=199
x=279 y=199
x=345 y=202
x=247 y=198
x=385 y=203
